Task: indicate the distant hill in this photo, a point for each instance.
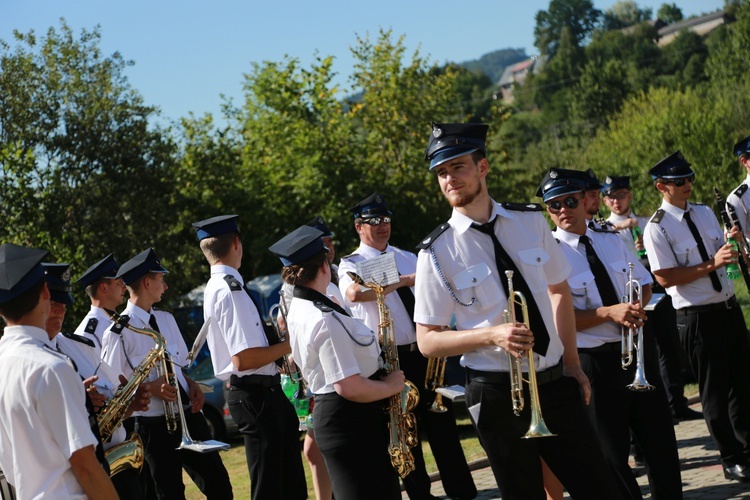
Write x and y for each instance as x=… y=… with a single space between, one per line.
x=493 y=63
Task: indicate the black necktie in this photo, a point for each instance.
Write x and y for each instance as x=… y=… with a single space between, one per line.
x=603 y=281
x=503 y=263
x=407 y=298
x=702 y=250
x=183 y=393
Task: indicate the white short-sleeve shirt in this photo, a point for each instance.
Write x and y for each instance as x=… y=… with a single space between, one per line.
x=123 y=352
x=403 y=324
x=739 y=199
x=626 y=235
x=43 y=417
x=329 y=346
x=462 y=279
x=615 y=256
x=235 y=326
x=670 y=244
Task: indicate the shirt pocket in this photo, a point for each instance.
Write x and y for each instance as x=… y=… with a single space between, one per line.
x=715 y=241
x=477 y=283
x=532 y=267
x=684 y=250
x=619 y=272
x=579 y=290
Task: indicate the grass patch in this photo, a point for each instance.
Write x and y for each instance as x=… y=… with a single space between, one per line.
x=236 y=463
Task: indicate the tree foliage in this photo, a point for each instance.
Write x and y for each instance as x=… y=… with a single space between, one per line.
x=579 y=17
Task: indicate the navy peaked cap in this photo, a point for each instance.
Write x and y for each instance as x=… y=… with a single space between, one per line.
x=20 y=269
x=140 y=265
x=58 y=282
x=299 y=245
x=451 y=140
x=742 y=147
x=372 y=206
x=561 y=181
x=613 y=183
x=216 y=226
x=673 y=166
x=320 y=224
x=105 y=268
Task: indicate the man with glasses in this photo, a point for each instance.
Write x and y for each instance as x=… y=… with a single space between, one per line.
x=461 y=273
x=688 y=255
x=739 y=199
x=662 y=321
x=599 y=278
x=372 y=221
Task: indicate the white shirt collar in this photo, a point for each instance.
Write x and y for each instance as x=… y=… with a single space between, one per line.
x=224 y=269
x=613 y=217
x=133 y=310
x=674 y=211
x=34 y=332
x=571 y=239
x=369 y=252
x=462 y=222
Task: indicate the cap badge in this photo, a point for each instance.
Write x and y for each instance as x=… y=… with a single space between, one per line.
x=65 y=276
x=553 y=174
x=608 y=180
x=437 y=132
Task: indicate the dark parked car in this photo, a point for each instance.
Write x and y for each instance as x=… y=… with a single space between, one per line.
x=215 y=409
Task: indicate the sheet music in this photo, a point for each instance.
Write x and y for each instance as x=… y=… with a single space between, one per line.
x=382 y=270
x=655 y=299
x=205 y=446
x=455 y=393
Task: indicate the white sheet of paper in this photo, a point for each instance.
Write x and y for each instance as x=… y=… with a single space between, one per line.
x=382 y=270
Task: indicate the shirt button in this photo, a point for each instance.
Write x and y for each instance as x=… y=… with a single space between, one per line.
x=538 y=259
x=473 y=280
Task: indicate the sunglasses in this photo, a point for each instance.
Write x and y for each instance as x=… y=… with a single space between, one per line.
x=681 y=181
x=571 y=202
x=376 y=221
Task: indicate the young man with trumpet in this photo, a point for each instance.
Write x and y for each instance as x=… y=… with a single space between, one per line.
x=372 y=221
x=461 y=272
x=245 y=353
x=160 y=425
x=687 y=251
x=603 y=273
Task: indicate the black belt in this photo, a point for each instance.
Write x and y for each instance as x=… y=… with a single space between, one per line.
x=615 y=346
x=408 y=347
x=718 y=306
x=264 y=380
x=549 y=375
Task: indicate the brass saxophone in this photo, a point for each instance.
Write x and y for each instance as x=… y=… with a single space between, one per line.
x=128 y=454
x=402 y=424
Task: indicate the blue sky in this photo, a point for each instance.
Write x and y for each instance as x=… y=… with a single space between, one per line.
x=187 y=52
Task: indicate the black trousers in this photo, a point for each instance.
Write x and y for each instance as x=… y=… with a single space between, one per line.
x=353 y=438
x=614 y=410
x=166 y=462
x=717 y=345
x=270 y=427
x=574 y=455
x=662 y=325
x=442 y=434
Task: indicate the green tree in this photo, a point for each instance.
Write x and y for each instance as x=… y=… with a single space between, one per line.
x=579 y=17
x=624 y=13
x=82 y=173
x=669 y=13
x=728 y=64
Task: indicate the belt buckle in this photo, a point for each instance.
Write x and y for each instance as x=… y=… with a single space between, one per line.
x=727 y=304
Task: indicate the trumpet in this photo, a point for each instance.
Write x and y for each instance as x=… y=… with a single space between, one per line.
x=434 y=379
x=537 y=427
x=627 y=342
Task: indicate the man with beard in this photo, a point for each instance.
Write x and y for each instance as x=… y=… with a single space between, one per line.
x=461 y=272
x=688 y=255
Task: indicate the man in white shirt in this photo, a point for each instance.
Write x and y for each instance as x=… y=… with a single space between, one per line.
x=600 y=276
x=739 y=199
x=461 y=272
x=662 y=321
x=372 y=221
x=46 y=444
x=688 y=255
x=125 y=349
x=245 y=352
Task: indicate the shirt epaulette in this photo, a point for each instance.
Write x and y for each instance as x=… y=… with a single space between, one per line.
x=355 y=254
x=234 y=283
x=427 y=242
x=603 y=230
x=323 y=307
x=78 y=338
x=91 y=326
x=740 y=190
x=522 y=207
x=698 y=204
x=657 y=217
x=119 y=325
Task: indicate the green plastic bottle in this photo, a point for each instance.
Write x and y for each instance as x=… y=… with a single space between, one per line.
x=637 y=233
x=733 y=269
